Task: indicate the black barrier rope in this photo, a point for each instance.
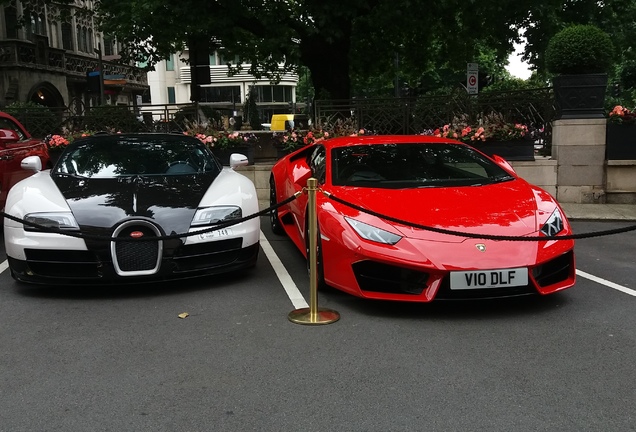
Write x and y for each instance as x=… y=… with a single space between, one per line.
x=215 y=227
x=482 y=236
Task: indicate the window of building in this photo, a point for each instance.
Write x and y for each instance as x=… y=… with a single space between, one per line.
x=171 y=95
x=224 y=60
x=230 y=94
x=40 y=27
x=275 y=93
x=11 y=21
x=109 y=46
x=53 y=38
x=145 y=97
x=170 y=63
x=213 y=59
x=81 y=43
x=87 y=47
x=67 y=36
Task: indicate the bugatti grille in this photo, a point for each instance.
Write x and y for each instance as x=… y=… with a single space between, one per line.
x=137 y=255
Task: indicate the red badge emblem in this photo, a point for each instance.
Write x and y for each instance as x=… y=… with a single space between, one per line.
x=136 y=234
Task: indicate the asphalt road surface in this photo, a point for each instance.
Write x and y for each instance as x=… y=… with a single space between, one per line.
x=121 y=359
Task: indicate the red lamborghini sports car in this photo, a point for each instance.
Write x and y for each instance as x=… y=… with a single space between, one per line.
x=378 y=197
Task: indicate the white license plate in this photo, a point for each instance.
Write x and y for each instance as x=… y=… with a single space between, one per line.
x=477 y=279
x=217 y=233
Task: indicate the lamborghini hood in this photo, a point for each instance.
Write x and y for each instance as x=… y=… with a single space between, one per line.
x=507 y=208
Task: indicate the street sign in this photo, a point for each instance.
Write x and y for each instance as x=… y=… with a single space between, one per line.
x=472 y=75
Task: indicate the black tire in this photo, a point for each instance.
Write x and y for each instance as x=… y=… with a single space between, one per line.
x=274 y=220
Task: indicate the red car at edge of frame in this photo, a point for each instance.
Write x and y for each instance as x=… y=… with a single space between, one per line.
x=430 y=182
x=16 y=143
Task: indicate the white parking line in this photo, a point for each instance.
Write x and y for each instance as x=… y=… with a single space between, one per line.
x=290 y=287
x=607 y=283
x=3 y=266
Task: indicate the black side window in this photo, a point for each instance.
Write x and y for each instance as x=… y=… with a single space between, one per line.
x=317 y=164
x=5 y=123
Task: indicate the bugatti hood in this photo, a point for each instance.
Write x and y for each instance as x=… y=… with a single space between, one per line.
x=102 y=202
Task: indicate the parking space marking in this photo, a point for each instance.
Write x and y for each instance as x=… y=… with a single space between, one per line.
x=3 y=266
x=607 y=283
x=290 y=287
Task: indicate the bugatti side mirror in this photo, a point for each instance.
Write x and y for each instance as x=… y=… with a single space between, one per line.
x=32 y=163
x=237 y=160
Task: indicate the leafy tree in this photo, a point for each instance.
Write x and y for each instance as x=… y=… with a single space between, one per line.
x=362 y=47
x=433 y=40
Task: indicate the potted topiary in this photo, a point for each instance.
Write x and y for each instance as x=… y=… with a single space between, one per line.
x=580 y=56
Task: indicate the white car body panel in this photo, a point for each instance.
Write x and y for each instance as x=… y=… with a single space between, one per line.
x=38 y=193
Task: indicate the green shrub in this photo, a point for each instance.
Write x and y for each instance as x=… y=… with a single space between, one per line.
x=112 y=118
x=579 y=49
x=38 y=120
x=188 y=115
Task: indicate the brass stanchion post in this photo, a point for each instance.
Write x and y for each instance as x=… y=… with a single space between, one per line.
x=313 y=315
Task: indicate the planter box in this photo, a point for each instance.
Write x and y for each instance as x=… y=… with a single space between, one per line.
x=580 y=96
x=224 y=154
x=519 y=150
x=620 y=142
x=54 y=154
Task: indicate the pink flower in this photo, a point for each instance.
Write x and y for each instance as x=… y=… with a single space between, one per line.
x=618 y=110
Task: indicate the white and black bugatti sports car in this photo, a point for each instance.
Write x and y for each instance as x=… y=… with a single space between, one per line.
x=133 y=204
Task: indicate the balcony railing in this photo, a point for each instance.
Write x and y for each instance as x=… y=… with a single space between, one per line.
x=218 y=74
x=40 y=56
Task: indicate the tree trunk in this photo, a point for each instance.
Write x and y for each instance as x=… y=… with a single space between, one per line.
x=328 y=62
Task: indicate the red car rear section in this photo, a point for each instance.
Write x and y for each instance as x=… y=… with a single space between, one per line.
x=418 y=267
x=15 y=144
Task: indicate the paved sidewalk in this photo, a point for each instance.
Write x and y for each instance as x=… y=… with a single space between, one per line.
x=625 y=212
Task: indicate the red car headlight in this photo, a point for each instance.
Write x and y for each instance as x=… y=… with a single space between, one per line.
x=371 y=233
x=553 y=225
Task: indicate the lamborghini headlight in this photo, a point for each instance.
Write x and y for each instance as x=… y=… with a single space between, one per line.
x=553 y=225
x=61 y=220
x=372 y=233
x=213 y=215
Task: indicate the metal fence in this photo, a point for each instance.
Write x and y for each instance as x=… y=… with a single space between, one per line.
x=43 y=121
x=534 y=108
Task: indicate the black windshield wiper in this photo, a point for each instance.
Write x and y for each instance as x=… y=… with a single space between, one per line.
x=502 y=178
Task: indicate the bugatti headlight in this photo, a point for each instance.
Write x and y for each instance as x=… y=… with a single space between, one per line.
x=553 y=225
x=214 y=215
x=61 y=220
x=369 y=232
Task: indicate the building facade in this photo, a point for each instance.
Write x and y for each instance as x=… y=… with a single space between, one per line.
x=52 y=55
x=170 y=85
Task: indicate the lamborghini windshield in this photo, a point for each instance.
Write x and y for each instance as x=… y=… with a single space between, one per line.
x=413 y=165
